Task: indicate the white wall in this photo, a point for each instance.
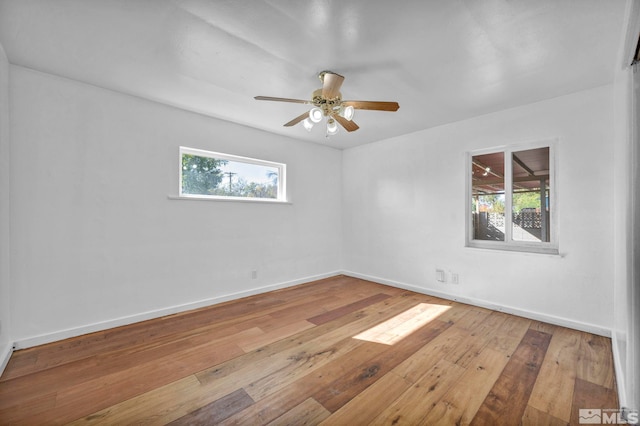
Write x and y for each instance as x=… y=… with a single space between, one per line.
x=404 y=204
x=6 y=340
x=95 y=240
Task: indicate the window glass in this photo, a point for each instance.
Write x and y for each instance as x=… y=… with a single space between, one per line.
x=487 y=197
x=216 y=175
x=530 y=195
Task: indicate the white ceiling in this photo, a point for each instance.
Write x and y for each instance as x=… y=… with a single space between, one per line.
x=443 y=61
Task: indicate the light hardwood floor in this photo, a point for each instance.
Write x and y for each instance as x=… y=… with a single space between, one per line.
x=292 y=357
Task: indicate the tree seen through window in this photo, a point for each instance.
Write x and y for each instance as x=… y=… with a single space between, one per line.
x=211 y=176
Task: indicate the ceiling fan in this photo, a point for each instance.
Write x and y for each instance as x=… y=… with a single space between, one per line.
x=327 y=102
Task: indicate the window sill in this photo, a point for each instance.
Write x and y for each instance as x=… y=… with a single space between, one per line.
x=229 y=199
x=551 y=251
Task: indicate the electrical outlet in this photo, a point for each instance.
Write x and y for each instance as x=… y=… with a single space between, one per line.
x=455 y=279
x=440 y=276
x=254 y=274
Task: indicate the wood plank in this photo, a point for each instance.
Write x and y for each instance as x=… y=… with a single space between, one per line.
x=460 y=403
x=587 y=396
x=316 y=303
x=21 y=362
x=297 y=365
x=369 y=403
x=399 y=379
x=543 y=326
x=311 y=306
x=250 y=343
x=507 y=400
x=553 y=390
x=414 y=404
x=397 y=328
x=216 y=411
x=271 y=407
x=157 y=407
x=490 y=323
x=426 y=357
x=479 y=335
x=595 y=363
x=307 y=413
x=509 y=334
x=535 y=417
x=468 y=318
x=340 y=391
x=351 y=307
x=37 y=406
x=453 y=315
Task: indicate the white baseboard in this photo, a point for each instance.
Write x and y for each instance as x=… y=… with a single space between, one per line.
x=117 y=322
x=551 y=319
x=5 y=355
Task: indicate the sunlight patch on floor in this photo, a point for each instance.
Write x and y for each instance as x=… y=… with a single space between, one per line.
x=395 y=329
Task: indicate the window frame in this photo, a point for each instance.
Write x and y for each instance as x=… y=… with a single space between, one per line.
x=281 y=167
x=550 y=247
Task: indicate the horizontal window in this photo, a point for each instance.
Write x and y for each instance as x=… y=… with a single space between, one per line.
x=206 y=174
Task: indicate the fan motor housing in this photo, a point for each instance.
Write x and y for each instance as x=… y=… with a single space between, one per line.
x=327 y=105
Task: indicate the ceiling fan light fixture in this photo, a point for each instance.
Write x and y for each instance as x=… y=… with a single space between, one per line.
x=308 y=125
x=347 y=112
x=327 y=104
x=332 y=127
x=315 y=114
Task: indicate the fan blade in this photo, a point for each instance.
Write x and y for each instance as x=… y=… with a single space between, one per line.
x=269 y=98
x=297 y=119
x=349 y=126
x=331 y=85
x=373 y=105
